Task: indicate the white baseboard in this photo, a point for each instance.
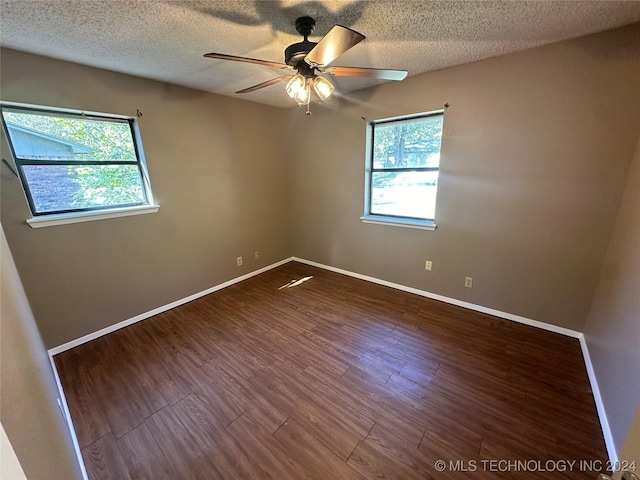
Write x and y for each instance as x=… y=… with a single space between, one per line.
x=602 y=414
x=66 y=413
x=604 y=424
x=125 y=323
x=613 y=457
x=453 y=301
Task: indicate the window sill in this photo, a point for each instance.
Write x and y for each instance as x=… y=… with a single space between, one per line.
x=65 y=218
x=399 y=222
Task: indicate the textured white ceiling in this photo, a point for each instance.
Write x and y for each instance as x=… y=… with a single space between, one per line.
x=165 y=39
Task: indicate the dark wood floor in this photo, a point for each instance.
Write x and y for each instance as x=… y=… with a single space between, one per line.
x=336 y=378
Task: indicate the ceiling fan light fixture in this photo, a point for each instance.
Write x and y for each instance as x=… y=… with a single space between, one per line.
x=303 y=95
x=295 y=84
x=322 y=87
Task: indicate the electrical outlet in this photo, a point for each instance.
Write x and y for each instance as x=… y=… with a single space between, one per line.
x=239 y=261
x=468 y=282
x=427 y=265
x=256 y=255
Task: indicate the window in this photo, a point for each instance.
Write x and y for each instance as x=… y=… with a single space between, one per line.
x=73 y=163
x=403 y=162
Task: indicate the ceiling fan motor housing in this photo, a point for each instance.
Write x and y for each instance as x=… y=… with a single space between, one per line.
x=294 y=54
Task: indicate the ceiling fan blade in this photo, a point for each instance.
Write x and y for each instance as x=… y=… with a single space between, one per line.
x=333 y=44
x=267 y=63
x=379 y=73
x=273 y=81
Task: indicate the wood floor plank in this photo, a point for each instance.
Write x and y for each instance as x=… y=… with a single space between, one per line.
x=307 y=451
x=163 y=379
x=416 y=374
x=103 y=461
x=266 y=457
x=182 y=451
x=259 y=407
x=353 y=354
x=382 y=447
x=222 y=403
x=330 y=407
x=308 y=351
x=410 y=408
x=125 y=403
x=372 y=405
x=334 y=378
x=88 y=418
x=313 y=414
x=448 y=439
x=143 y=457
x=229 y=459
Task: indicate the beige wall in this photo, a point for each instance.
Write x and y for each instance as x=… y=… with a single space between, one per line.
x=536 y=151
x=631 y=450
x=612 y=331
x=29 y=411
x=9 y=465
x=217 y=171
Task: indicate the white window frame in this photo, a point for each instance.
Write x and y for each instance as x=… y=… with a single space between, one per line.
x=391 y=220
x=45 y=219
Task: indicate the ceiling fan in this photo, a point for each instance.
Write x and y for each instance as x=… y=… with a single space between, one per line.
x=310 y=62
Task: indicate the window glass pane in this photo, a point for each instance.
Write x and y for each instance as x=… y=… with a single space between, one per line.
x=71 y=187
x=41 y=136
x=408 y=143
x=404 y=194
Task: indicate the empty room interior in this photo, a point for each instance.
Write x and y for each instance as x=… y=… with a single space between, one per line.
x=242 y=241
